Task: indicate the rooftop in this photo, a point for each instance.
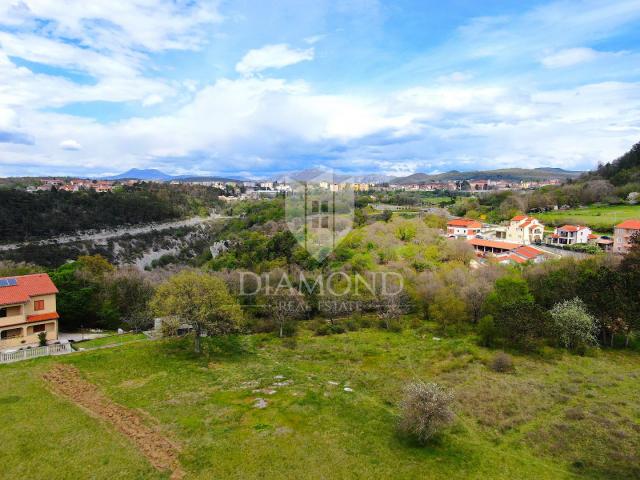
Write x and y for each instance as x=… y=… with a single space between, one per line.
x=26 y=286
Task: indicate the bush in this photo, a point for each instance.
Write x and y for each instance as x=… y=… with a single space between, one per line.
x=42 y=339
x=487 y=331
x=327 y=328
x=573 y=326
x=424 y=411
x=502 y=363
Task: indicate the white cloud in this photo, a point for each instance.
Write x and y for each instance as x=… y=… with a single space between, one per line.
x=569 y=57
x=70 y=145
x=272 y=56
x=152 y=100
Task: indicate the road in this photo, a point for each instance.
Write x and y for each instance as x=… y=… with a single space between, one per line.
x=106 y=234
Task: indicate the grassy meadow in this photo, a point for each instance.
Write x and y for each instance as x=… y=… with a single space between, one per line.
x=557 y=416
x=600 y=218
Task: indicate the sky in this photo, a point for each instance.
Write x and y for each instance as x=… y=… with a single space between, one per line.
x=252 y=88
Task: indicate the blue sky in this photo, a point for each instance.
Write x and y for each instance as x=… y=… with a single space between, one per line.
x=255 y=88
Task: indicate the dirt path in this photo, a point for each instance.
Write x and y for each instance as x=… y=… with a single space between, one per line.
x=65 y=380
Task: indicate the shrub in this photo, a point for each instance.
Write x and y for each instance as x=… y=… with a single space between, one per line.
x=502 y=363
x=42 y=339
x=573 y=325
x=487 y=331
x=424 y=410
x=327 y=328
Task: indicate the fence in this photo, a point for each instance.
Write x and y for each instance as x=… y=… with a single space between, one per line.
x=27 y=353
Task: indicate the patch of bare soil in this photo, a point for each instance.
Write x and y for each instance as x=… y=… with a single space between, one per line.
x=65 y=380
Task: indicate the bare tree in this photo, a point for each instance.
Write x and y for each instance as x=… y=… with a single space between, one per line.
x=285 y=307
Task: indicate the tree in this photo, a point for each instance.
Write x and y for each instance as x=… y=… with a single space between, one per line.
x=573 y=325
x=286 y=306
x=507 y=290
x=389 y=309
x=425 y=410
x=448 y=310
x=386 y=216
x=517 y=318
x=200 y=300
x=128 y=292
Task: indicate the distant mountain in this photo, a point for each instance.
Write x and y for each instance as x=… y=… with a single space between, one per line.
x=156 y=175
x=508 y=174
x=318 y=173
x=142 y=174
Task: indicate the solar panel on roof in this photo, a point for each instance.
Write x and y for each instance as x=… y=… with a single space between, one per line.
x=12 y=282
x=8 y=282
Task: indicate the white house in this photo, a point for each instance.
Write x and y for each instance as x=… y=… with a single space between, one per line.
x=463 y=228
x=569 y=235
x=525 y=230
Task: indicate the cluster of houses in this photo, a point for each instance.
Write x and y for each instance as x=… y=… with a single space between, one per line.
x=75 y=185
x=513 y=243
x=475 y=185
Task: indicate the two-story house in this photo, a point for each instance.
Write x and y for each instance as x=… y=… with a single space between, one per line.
x=622 y=234
x=569 y=235
x=525 y=230
x=463 y=228
x=27 y=308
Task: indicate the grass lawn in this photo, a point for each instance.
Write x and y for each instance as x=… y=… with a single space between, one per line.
x=600 y=219
x=563 y=416
x=110 y=340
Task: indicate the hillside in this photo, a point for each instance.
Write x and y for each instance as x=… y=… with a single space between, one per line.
x=558 y=417
x=623 y=170
x=509 y=174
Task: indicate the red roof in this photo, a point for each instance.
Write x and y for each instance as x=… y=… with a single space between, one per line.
x=593 y=236
x=464 y=222
x=629 y=225
x=527 y=252
x=26 y=286
x=518 y=218
x=480 y=242
x=43 y=316
x=516 y=258
x=572 y=228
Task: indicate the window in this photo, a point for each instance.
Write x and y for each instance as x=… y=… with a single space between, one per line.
x=3 y=312
x=13 y=333
x=39 y=328
x=38 y=305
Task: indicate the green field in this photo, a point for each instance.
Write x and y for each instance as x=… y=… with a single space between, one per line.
x=561 y=416
x=600 y=219
x=110 y=340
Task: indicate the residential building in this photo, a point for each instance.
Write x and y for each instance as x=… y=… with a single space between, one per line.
x=463 y=228
x=569 y=235
x=506 y=252
x=622 y=234
x=27 y=308
x=525 y=230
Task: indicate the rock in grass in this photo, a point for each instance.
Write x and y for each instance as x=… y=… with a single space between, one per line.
x=348 y=389
x=260 y=403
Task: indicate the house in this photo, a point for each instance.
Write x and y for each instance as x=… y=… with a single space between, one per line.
x=622 y=234
x=525 y=230
x=463 y=228
x=505 y=252
x=569 y=235
x=483 y=246
x=27 y=308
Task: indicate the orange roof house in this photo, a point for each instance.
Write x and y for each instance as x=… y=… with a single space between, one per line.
x=622 y=234
x=463 y=228
x=27 y=308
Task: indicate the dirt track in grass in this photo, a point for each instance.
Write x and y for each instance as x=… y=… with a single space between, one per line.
x=65 y=380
